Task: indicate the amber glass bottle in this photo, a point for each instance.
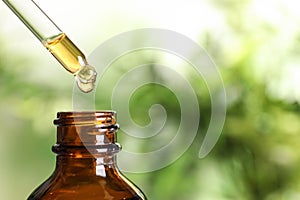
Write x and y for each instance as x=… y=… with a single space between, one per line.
x=86 y=161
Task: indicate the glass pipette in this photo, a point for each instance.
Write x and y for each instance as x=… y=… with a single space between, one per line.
x=56 y=41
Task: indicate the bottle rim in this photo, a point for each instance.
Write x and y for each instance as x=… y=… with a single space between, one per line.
x=95 y=130
x=107 y=117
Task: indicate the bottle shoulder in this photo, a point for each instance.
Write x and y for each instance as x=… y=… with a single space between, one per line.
x=113 y=186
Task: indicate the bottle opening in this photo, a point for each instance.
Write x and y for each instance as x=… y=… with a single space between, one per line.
x=85 y=118
x=94 y=131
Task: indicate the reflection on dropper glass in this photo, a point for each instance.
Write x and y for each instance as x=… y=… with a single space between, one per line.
x=73 y=60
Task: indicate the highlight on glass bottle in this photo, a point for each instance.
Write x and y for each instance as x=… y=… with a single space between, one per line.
x=86 y=166
x=56 y=41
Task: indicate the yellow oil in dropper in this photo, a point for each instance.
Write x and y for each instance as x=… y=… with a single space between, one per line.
x=56 y=41
x=73 y=60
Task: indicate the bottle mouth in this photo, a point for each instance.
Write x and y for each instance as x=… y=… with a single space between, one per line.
x=85 y=118
x=93 y=130
x=89 y=122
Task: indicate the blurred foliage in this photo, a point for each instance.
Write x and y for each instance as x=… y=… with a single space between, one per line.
x=257 y=156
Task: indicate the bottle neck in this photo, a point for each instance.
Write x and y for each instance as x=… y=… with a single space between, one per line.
x=87 y=166
x=86 y=142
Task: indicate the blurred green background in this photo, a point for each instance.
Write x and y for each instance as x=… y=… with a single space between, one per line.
x=255 y=44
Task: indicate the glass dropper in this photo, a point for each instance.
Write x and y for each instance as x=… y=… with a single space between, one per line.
x=56 y=41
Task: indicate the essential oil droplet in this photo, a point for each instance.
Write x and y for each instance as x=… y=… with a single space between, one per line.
x=86 y=78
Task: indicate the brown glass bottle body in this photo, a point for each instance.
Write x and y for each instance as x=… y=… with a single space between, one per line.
x=86 y=161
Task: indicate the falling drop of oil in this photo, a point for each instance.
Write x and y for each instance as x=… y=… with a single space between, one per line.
x=86 y=78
